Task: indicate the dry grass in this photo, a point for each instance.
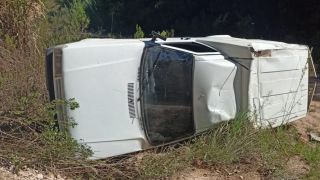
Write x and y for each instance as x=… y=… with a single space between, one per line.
x=28 y=135
x=237 y=146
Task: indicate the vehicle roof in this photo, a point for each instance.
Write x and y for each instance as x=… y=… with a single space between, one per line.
x=93 y=42
x=256 y=44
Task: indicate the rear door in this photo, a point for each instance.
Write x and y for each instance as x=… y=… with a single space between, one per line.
x=283 y=86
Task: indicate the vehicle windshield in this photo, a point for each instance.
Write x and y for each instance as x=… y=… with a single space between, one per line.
x=167 y=77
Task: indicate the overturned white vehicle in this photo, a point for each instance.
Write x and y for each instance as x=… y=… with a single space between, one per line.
x=137 y=94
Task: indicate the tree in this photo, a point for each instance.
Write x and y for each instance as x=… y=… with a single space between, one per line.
x=139 y=33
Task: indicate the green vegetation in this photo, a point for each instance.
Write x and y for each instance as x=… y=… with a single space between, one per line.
x=66 y=23
x=167 y=33
x=285 y=20
x=233 y=143
x=139 y=33
x=28 y=131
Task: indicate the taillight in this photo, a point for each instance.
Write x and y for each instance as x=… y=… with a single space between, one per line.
x=58 y=73
x=59 y=86
x=49 y=73
x=57 y=53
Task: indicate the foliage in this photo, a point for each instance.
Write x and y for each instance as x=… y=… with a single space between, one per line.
x=66 y=23
x=139 y=33
x=232 y=143
x=167 y=33
x=226 y=143
x=36 y=140
x=28 y=129
x=288 y=21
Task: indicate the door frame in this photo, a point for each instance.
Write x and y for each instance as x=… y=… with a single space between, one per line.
x=141 y=89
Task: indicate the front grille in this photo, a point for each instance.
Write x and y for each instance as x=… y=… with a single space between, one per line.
x=131 y=105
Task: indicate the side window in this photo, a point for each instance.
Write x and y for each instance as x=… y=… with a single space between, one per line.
x=167 y=94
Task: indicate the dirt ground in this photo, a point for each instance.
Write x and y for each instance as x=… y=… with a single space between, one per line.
x=247 y=170
x=296 y=167
x=205 y=174
x=311 y=123
x=27 y=174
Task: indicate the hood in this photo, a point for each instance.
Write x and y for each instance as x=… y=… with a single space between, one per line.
x=102 y=77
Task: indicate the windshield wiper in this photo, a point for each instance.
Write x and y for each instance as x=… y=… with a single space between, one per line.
x=154 y=65
x=144 y=84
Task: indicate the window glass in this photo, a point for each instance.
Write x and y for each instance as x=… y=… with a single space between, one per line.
x=192 y=46
x=167 y=94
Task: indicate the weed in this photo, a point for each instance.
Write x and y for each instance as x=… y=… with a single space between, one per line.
x=164 y=164
x=41 y=144
x=28 y=129
x=29 y=135
x=231 y=142
x=227 y=143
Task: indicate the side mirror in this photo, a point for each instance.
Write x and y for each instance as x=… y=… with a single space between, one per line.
x=156 y=35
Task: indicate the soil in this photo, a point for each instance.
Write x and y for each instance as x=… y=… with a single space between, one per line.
x=27 y=174
x=206 y=174
x=311 y=123
x=248 y=169
x=295 y=168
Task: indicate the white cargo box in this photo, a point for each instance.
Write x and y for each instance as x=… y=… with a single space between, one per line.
x=274 y=84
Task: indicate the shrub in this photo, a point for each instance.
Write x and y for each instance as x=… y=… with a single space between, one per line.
x=232 y=143
x=167 y=33
x=139 y=33
x=28 y=131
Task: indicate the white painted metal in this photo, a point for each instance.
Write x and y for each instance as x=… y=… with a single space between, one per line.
x=214 y=96
x=96 y=72
x=276 y=81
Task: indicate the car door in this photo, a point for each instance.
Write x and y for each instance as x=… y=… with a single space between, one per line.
x=166 y=86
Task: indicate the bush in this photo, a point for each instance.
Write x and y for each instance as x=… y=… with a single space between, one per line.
x=139 y=33
x=225 y=144
x=231 y=144
x=29 y=136
x=28 y=131
x=167 y=33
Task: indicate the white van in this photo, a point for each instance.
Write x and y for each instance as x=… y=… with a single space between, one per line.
x=137 y=94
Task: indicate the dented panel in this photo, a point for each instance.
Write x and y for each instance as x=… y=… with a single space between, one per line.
x=273 y=76
x=214 y=93
x=265 y=78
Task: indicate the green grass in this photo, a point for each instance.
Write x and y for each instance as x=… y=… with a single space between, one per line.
x=164 y=164
x=225 y=144
x=228 y=144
